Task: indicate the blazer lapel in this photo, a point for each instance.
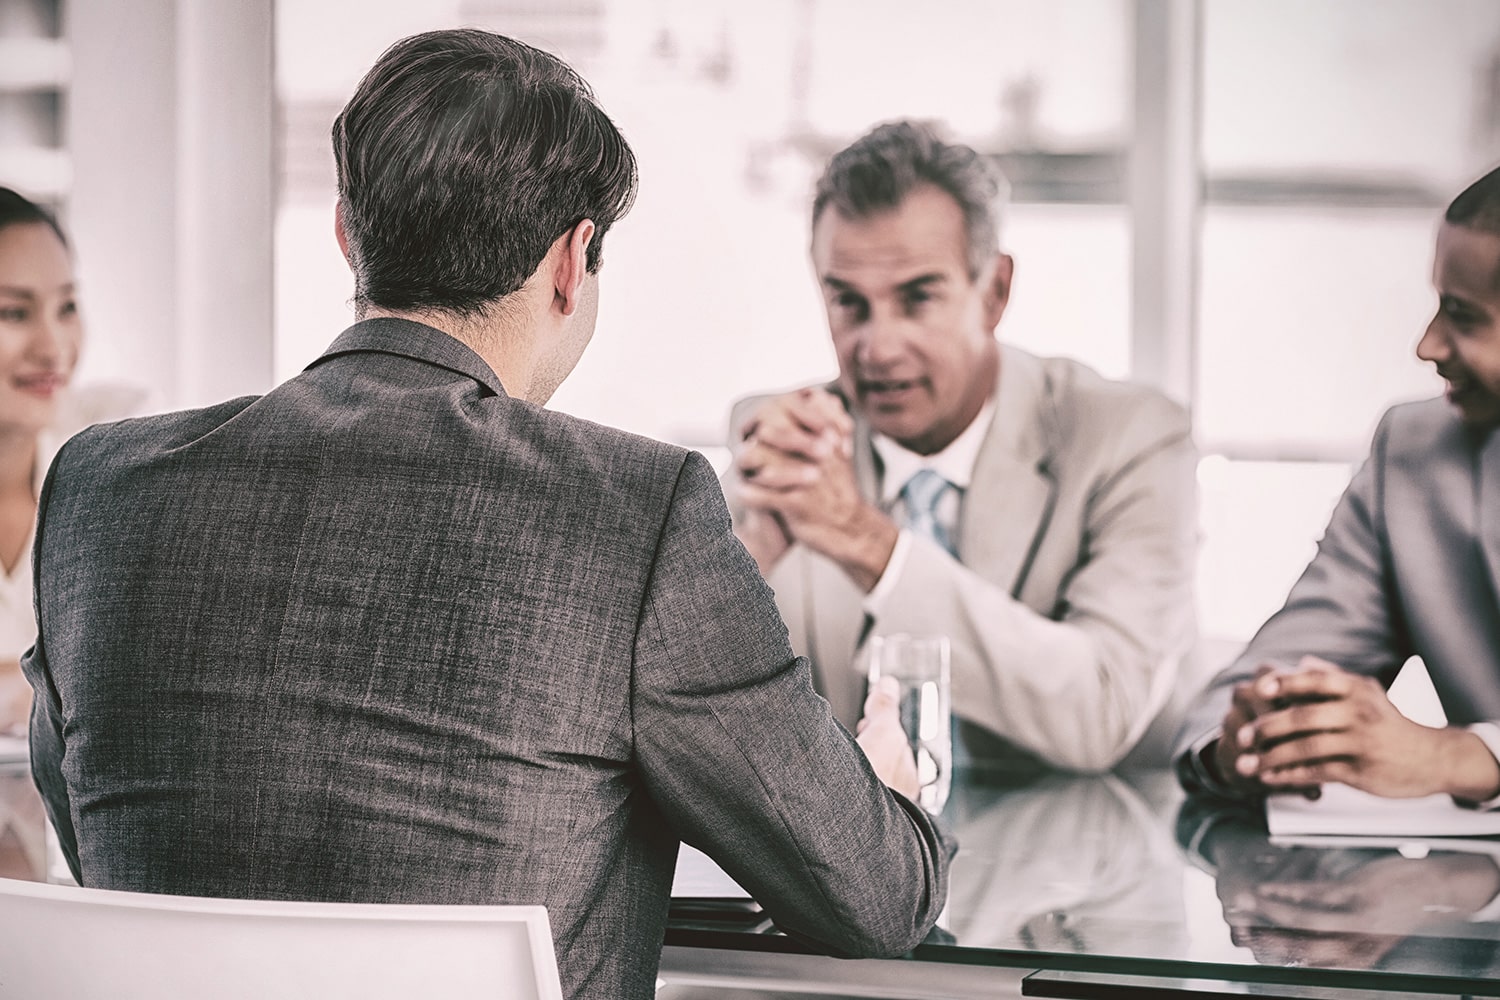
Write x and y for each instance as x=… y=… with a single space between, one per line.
x=1489 y=508
x=1010 y=500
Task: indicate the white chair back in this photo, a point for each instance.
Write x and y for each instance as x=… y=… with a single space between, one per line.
x=67 y=942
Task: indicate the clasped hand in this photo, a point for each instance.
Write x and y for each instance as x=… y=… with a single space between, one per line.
x=1293 y=730
x=796 y=481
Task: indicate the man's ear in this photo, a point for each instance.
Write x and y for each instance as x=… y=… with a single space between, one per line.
x=571 y=268
x=997 y=293
x=338 y=230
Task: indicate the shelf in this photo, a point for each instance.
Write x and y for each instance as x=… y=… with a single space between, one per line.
x=45 y=174
x=34 y=64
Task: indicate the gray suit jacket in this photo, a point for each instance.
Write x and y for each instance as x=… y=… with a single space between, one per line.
x=388 y=634
x=1070 y=605
x=1407 y=567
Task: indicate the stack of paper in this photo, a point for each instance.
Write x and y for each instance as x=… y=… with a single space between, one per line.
x=1342 y=811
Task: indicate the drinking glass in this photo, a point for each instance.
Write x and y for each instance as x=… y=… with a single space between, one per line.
x=919 y=663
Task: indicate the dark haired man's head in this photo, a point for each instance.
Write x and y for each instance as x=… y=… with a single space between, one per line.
x=16 y=208
x=877 y=171
x=461 y=158
x=1478 y=205
x=906 y=249
x=1463 y=340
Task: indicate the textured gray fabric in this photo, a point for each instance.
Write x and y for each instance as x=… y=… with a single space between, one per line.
x=388 y=634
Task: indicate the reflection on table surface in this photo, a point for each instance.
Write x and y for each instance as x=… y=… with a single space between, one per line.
x=1119 y=874
x=23 y=824
x=1414 y=906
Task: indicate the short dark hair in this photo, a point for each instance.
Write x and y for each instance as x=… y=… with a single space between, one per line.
x=462 y=156
x=16 y=209
x=1478 y=206
x=875 y=172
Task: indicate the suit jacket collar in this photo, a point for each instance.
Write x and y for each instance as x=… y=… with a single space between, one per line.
x=1025 y=424
x=409 y=339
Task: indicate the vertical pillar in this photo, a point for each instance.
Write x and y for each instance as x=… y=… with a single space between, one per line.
x=170 y=127
x=225 y=198
x=1166 y=186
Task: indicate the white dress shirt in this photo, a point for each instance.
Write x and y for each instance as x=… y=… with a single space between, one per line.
x=954 y=463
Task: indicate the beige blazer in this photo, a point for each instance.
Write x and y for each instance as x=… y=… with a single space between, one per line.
x=1070 y=605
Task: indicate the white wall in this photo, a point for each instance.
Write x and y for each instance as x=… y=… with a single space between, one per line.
x=170 y=127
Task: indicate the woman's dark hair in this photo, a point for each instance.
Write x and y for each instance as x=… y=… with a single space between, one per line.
x=16 y=209
x=462 y=157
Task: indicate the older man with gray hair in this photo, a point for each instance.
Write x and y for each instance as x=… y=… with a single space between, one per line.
x=1040 y=516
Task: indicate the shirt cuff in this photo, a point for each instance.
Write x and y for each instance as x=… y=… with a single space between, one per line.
x=1195 y=776
x=887 y=581
x=1488 y=913
x=1489 y=735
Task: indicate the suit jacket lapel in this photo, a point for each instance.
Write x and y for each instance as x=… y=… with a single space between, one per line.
x=1488 y=499
x=1010 y=500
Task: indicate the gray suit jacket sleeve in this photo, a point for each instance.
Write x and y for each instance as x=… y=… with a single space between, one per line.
x=46 y=709
x=1343 y=608
x=747 y=762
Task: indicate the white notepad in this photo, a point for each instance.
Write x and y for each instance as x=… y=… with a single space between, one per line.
x=1347 y=812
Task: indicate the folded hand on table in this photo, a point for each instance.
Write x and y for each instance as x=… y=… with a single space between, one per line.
x=1296 y=729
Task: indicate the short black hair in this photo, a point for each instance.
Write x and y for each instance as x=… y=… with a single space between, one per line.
x=462 y=156
x=16 y=209
x=1478 y=206
x=875 y=172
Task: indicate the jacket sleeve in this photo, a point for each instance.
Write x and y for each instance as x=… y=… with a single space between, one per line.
x=1079 y=685
x=47 y=745
x=746 y=761
x=1343 y=608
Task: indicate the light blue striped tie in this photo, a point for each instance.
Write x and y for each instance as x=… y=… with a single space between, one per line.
x=921 y=495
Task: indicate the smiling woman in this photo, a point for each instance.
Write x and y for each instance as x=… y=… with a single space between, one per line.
x=41 y=334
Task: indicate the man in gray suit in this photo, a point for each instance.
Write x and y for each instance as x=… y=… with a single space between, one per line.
x=1408 y=567
x=393 y=632
x=1040 y=516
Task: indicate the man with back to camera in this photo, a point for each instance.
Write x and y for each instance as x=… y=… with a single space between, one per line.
x=393 y=632
x=1042 y=517
x=1408 y=566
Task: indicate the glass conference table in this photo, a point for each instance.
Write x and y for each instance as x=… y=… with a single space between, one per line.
x=1104 y=887
x=1117 y=886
